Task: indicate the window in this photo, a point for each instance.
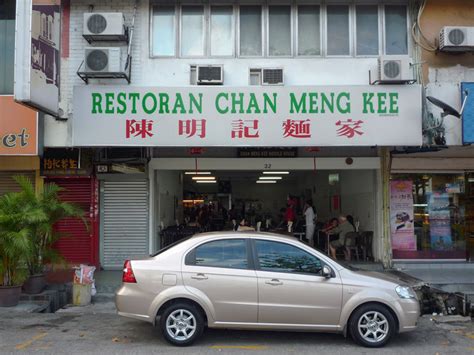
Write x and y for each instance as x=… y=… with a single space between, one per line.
x=367 y=30
x=214 y=31
x=192 y=31
x=281 y=257
x=338 y=30
x=229 y=253
x=250 y=30
x=164 y=31
x=7 y=46
x=396 y=39
x=279 y=30
x=309 y=39
x=222 y=37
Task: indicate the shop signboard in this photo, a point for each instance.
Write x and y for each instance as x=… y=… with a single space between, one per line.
x=66 y=162
x=401 y=215
x=275 y=152
x=18 y=128
x=37 y=39
x=440 y=221
x=467 y=89
x=247 y=116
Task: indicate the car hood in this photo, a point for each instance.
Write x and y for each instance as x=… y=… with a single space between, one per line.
x=368 y=278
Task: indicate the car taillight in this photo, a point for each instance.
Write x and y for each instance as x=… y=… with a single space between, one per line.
x=128 y=275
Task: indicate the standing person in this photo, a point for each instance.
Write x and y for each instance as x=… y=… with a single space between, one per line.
x=309 y=218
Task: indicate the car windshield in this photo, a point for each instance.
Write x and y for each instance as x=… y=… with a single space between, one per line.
x=170 y=246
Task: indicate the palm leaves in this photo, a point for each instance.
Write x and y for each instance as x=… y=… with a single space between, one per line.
x=27 y=230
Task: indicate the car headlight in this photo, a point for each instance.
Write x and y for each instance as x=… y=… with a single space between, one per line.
x=405 y=292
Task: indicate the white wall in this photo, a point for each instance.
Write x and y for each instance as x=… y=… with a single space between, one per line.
x=168 y=197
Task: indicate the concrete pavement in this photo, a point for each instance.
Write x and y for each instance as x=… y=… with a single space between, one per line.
x=96 y=329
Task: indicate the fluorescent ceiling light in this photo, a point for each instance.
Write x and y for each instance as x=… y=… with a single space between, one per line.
x=276 y=172
x=206 y=181
x=197 y=173
x=203 y=178
x=270 y=178
x=266 y=181
x=420 y=204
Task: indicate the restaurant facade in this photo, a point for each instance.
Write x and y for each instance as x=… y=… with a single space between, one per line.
x=325 y=98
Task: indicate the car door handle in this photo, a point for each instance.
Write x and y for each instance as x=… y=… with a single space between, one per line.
x=199 y=277
x=274 y=282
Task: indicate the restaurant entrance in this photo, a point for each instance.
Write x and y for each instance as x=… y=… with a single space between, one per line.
x=222 y=194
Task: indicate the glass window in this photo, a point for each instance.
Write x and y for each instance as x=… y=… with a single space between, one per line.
x=281 y=257
x=222 y=39
x=250 y=30
x=192 y=31
x=7 y=46
x=431 y=215
x=164 y=31
x=279 y=30
x=396 y=36
x=367 y=23
x=338 y=30
x=309 y=30
x=230 y=253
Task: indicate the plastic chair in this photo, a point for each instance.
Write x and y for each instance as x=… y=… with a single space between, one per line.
x=352 y=243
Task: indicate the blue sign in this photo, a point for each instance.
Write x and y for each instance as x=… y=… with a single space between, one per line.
x=468 y=113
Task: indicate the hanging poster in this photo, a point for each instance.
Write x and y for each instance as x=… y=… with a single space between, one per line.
x=440 y=222
x=401 y=215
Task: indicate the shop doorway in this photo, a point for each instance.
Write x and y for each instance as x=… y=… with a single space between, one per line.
x=215 y=197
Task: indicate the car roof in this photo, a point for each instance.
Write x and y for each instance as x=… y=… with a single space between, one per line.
x=246 y=234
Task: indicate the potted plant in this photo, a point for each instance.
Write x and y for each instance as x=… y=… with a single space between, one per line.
x=15 y=245
x=45 y=210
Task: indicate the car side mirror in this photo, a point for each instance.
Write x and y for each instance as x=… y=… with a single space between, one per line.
x=327 y=272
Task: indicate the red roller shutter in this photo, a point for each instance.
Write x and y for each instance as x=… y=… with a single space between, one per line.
x=79 y=244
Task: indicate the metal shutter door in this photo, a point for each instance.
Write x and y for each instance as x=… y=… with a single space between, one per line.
x=77 y=243
x=7 y=184
x=124 y=224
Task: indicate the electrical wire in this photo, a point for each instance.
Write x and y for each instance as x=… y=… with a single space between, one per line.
x=417 y=33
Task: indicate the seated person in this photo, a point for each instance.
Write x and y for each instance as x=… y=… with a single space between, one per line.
x=342 y=229
x=244 y=226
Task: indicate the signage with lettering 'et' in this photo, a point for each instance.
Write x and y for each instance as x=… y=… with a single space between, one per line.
x=247 y=116
x=18 y=128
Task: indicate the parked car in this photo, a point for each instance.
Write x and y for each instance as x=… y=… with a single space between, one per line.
x=265 y=281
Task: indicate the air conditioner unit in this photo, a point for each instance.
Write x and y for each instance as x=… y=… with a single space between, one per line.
x=394 y=69
x=102 y=60
x=104 y=26
x=272 y=76
x=456 y=39
x=210 y=74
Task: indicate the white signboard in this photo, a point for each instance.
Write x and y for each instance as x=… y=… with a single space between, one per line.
x=37 y=41
x=247 y=116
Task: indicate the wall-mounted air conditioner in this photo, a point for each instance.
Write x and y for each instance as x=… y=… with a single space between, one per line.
x=104 y=26
x=210 y=74
x=272 y=76
x=394 y=69
x=102 y=60
x=456 y=39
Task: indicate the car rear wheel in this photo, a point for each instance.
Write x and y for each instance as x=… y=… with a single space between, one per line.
x=372 y=325
x=181 y=324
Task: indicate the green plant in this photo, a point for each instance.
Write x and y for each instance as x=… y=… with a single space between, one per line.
x=45 y=210
x=15 y=240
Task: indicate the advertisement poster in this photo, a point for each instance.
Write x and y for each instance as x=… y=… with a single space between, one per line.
x=440 y=223
x=401 y=215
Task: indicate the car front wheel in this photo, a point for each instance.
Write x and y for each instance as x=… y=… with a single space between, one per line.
x=372 y=325
x=181 y=324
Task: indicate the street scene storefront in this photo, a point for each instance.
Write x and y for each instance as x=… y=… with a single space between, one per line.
x=270 y=158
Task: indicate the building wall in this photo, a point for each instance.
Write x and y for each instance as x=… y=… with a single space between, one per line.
x=147 y=71
x=444 y=66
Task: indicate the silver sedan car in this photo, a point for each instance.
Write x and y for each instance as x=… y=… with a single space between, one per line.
x=261 y=281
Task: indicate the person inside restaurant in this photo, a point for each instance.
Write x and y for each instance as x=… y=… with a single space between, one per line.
x=341 y=230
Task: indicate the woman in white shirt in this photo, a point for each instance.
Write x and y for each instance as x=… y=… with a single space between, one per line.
x=309 y=218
